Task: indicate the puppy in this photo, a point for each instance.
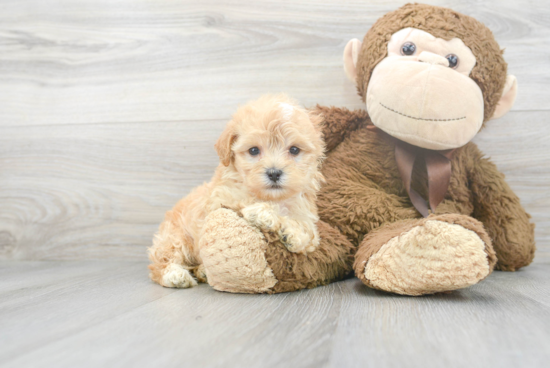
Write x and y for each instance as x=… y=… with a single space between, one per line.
x=270 y=155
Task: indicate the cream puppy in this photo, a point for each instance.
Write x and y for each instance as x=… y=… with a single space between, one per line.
x=270 y=155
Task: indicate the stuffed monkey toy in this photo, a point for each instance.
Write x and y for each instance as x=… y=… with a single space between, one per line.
x=409 y=202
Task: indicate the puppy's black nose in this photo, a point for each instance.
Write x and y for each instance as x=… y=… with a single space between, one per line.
x=274 y=174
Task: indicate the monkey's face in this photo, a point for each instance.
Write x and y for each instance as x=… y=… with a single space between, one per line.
x=422 y=93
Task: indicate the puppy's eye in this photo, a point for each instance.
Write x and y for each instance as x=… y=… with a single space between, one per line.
x=254 y=151
x=453 y=60
x=294 y=150
x=408 y=48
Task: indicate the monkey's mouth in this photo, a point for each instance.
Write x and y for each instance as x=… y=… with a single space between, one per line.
x=417 y=118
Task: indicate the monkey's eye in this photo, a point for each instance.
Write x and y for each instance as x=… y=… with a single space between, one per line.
x=408 y=48
x=453 y=60
x=254 y=151
x=294 y=150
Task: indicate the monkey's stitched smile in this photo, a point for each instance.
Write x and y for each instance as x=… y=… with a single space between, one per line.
x=412 y=117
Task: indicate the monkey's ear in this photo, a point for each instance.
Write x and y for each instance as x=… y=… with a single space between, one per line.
x=508 y=97
x=224 y=143
x=351 y=54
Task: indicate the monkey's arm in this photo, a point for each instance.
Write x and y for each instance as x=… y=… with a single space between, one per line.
x=338 y=123
x=500 y=211
x=356 y=208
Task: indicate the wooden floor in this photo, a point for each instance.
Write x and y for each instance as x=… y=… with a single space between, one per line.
x=108 y=314
x=108 y=115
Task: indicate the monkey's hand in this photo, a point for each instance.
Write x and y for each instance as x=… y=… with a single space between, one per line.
x=500 y=211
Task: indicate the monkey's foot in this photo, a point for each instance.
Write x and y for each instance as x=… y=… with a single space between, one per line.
x=425 y=256
x=233 y=254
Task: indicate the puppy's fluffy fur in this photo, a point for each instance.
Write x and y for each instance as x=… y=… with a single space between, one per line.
x=270 y=155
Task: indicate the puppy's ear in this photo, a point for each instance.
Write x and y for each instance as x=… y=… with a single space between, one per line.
x=316 y=119
x=224 y=143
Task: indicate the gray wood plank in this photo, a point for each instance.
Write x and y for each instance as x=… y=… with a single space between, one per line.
x=114 y=316
x=41 y=302
x=75 y=191
x=530 y=282
x=90 y=61
x=482 y=326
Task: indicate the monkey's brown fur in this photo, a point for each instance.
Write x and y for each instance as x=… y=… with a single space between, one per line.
x=364 y=191
x=364 y=197
x=331 y=261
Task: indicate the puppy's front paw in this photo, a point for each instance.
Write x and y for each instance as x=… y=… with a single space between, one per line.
x=261 y=215
x=175 y=276
x=314 y=243
x=286 y=239
x=297 y=239
x=291 y=242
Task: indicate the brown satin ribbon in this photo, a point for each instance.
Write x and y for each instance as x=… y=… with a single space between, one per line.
x=438 y=167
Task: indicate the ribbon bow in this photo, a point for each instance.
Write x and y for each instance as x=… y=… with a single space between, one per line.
x=438 y=167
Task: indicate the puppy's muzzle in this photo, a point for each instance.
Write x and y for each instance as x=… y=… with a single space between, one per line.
x=274 y=175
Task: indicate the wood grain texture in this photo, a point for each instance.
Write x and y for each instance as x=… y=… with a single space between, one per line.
x=98 y=61
x=109 y=110
x=96 y=191
x=108 y=314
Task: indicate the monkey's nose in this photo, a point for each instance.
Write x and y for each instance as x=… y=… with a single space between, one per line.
x=431 y=58
x=274 y=174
